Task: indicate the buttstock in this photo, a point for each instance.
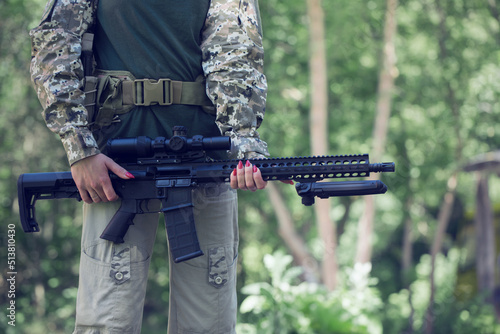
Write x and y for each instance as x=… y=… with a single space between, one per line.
x=26 y=200
x=35 y=186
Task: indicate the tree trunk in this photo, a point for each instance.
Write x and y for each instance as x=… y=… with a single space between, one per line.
x=443 y=219
x=445 y=211
x=407 y=262
x=496 y=15
x=384 y=100
x=288 y=233
x=319 y=135
x=485 y=237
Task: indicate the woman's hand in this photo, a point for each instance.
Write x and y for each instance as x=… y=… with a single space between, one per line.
x=249 y=177
x=91 y=176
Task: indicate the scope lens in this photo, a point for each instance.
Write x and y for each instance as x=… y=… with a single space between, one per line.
x=129 y=148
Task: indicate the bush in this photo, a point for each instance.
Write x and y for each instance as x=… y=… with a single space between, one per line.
x=285 y=305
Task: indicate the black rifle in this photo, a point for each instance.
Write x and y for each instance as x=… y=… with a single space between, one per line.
x=168 y=169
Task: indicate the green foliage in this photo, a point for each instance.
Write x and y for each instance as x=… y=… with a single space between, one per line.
x=446 y=110
x=284 y=305
x=407 y=308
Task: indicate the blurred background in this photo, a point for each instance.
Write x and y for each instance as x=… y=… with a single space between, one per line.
x=416 y=82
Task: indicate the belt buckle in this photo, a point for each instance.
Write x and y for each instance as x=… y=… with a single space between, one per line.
x=148 y=92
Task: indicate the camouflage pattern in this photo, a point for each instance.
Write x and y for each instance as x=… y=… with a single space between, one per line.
x=218 y=274
x=232 y=61
x=57 y=74
x=120 y=265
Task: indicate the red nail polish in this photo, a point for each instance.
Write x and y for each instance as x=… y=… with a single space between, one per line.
x=234 y=172
x=254 y=169
x=240 y=165
x=247 y=164
x=129 y=175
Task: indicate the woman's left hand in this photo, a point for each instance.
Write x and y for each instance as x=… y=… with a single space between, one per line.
x=248 y=177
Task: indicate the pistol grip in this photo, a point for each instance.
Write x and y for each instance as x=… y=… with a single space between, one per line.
x=121 y=221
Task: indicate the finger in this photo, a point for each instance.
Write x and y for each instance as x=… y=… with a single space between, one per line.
x=249 y=181
x=95 y=198
x=257 y=177
x=107 y=187
x=233 y=180
x=118 y=170
x=85 y=196
x=107 y=192
x=240 y=176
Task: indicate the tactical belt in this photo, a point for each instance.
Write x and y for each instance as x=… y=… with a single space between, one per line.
x=117 y=92
x=164 y=92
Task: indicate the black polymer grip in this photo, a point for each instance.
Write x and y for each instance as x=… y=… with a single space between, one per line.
x=309 y=190
x=118 y=225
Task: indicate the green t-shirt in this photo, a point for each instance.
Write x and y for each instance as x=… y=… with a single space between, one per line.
x=154 y=39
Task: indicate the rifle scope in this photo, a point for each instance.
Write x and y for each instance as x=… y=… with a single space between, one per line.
x=145 y=147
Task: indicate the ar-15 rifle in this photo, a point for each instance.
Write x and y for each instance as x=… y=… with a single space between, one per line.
x=168 y=169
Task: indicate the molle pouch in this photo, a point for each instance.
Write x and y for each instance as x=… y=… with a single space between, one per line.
x=90 y=81
x=110 y=97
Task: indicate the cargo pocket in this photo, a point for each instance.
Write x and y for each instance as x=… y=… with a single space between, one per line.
x=114 y=261
x=221 y=266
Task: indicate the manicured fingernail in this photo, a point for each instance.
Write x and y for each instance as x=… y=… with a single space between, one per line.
x=234 y=172
x=254 y=169
x=247 y=164
x=240 y=165
x=129 y=175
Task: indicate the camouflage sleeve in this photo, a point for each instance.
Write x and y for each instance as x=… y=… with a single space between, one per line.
x=57 y=74
x=233 y=65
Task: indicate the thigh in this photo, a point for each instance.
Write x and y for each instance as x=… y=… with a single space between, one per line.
x=113 y=276
x=138 y=240
x=203 y=290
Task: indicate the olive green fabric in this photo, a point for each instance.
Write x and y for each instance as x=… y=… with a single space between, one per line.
x=153 y=42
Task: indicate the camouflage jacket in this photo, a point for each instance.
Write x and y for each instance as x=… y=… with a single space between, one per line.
x=232 y=63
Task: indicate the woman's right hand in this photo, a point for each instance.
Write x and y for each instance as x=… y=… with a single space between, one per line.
x=91 y=176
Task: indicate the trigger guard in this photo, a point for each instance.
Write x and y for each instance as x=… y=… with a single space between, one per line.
x=144 y=206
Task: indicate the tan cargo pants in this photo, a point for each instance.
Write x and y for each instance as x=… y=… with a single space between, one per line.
x=113 y=277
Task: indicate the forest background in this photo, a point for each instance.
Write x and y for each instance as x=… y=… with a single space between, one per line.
x=416 y=82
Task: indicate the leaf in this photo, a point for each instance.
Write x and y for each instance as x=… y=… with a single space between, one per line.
x=252 y=304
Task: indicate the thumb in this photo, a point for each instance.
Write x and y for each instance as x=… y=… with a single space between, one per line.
x=118 y=170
